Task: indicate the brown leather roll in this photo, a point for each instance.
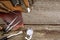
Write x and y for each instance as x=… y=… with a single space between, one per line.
x=10 y=6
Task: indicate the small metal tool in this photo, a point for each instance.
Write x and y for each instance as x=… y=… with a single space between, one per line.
x=23 y=5
x=7 y=37
x=11 y=23
x=29 y=34
x=13 y=26
x=10 y=26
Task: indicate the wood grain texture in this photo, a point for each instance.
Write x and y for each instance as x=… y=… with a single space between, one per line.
x=39 y=33
x=44 y=12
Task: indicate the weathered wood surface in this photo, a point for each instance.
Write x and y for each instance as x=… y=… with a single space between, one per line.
x=45 y=32
x=44 y=12
x=41 y=32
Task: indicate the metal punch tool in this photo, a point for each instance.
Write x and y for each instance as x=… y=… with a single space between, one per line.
x=29 y=33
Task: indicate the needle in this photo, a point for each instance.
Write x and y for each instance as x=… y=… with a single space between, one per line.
x=13 y=26
x=11 y=23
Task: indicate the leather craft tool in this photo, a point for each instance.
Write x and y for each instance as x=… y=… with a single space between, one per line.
x=29 y=33
x=13 y=26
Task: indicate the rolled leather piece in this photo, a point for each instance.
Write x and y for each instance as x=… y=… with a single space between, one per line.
x=8 y=17
x=21 y=5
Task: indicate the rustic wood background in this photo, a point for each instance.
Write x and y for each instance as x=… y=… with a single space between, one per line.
x=44 y=19
x=44 y=12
